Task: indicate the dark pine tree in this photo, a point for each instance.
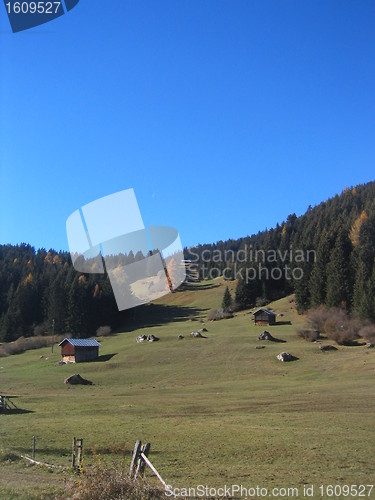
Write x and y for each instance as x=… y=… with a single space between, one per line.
x=227 y=300
x=338 y=273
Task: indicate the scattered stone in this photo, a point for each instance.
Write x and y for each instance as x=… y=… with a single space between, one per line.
x=60 y=363
x=328 y=348
x=260 y=347
x=197 y=335
x=147 y=338
x=285 y=356
x=180 y=337
x=267 y=336
x=203 y=330
x=41 y=357
x=77 y=379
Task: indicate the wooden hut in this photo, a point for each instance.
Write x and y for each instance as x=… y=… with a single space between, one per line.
x=78 y=350
x=264 y=317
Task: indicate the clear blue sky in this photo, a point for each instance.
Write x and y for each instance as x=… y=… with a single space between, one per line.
x=224 y=116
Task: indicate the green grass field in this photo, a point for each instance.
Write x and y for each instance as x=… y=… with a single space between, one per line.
x=216 y=410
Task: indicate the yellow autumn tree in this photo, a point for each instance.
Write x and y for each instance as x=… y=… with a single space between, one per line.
x=57 y=260
x=28 y=279
x=356 y=228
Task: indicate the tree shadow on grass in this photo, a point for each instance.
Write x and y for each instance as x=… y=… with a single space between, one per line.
x=16 y=411
x=157 y=315
x=352 y=343
x=105 y=357
x=196 y=288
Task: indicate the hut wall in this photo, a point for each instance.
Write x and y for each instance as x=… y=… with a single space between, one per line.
x=86 y=354
x=67 y=349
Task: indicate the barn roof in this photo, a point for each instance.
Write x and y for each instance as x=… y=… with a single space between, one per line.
x=267 y=311
x=82 y=342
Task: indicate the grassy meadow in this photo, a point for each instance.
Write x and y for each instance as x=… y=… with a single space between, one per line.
x=216 y=411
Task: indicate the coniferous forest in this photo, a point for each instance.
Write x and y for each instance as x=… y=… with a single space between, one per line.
x=326 y=256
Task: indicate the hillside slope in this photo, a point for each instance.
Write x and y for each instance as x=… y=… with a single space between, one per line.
x=200 y=402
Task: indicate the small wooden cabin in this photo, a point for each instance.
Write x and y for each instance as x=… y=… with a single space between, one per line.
x=79 y=350
x=264 y=317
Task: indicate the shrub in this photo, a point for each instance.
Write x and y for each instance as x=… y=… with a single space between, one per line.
x=335 y=323
x=368 y=332
x=310 y=335
x=23 y=344
x=215 y=315
x=42 y=329
x=343 y=330
x=104 y=331
x=261 y=302
x=8 y=456
x=212 y=315
x=102 y=483
x=316 y=319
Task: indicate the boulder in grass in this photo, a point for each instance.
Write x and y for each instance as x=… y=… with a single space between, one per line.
x=286 y=356
x=267 y=336
x=327 y=348
x=152 y=338
x=141 y=338
x=180 y=337
x=260 y=347
x=197 y=335
x=77 y=380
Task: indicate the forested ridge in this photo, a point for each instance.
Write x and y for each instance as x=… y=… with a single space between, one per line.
x=331 y=249
x=327 y=256
x=37 y=287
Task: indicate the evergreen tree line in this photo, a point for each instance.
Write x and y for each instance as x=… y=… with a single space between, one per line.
x=37 y=287
x=341 y=234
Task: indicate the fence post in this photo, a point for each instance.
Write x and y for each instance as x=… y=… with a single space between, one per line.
x=135 y=457
x=141 y=466
x=74 y=453
x=79 y=451
x=33 y=449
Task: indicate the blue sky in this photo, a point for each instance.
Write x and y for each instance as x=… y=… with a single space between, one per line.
x=224 y=116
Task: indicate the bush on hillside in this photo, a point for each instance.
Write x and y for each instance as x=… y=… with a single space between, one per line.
x=104 y=331
x=102 y=483
x=23 y=344
x=42 y=329
x=335 y=323
x=215 y=315
x=310 y=335
x=368 y=332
